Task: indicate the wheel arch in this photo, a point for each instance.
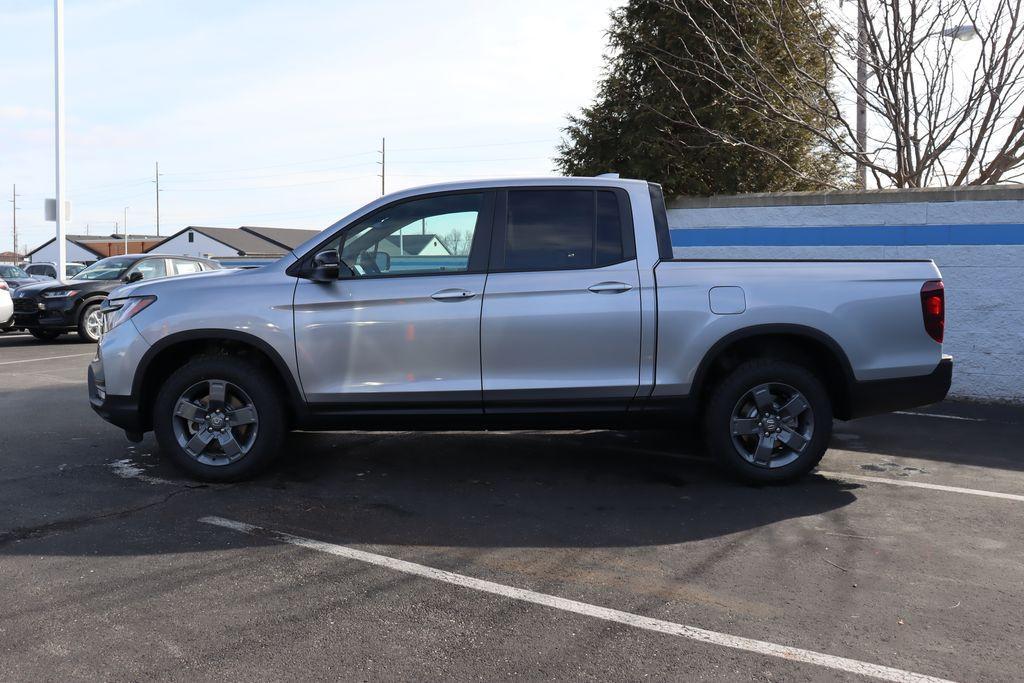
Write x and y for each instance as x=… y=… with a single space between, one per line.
x=804 y=345
x=173 y=350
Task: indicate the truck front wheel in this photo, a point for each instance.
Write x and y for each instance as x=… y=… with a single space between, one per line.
x=768 y=421
x=220 y=418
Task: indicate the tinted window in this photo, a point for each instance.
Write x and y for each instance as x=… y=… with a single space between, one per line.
x=555 y=229
x=432 y=235
x=609 y=229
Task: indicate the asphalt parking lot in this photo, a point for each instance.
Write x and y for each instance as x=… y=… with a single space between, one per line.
x=590 y=555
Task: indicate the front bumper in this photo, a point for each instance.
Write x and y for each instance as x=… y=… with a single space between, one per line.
x=886 y=395
x=41 y=314
x=113 y=392
x=122 y=411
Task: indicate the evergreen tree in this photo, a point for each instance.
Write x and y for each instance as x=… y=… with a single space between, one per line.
x=657 y=118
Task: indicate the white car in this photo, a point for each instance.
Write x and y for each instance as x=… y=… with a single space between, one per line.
x=6 y=307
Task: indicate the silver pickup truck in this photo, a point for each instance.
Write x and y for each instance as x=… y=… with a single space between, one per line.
x=554 y=303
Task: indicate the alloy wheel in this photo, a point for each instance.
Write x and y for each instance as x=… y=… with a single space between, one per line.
x=215 y=422
x=94 y=324
x=772 y=424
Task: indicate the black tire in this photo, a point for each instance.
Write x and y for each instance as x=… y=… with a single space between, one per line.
x=83 y=328
x=734 y=395
x=44 y=335
x=257 y=385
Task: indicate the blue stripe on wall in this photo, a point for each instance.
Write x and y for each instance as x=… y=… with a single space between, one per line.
x=864 y=235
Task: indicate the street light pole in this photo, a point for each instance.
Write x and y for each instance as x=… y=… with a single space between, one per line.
x=126 y=229
x=14 y=218
x=158 y=199
x=58 y=49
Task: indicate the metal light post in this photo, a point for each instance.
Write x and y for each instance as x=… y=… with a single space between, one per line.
x=126 y=229
x=58 y=49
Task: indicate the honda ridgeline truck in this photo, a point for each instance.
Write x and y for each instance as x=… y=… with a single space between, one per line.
x=554 y=303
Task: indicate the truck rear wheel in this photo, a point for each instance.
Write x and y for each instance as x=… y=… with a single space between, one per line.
x=220 y=418
x=768 y=421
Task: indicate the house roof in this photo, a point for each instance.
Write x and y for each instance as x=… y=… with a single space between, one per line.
x=414 y=244
x=242 y=242
x=99 y=243
x=288 y=238
x=250 y=241
x=79 y=240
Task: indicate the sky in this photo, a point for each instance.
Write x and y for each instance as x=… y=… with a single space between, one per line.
x=264 y=112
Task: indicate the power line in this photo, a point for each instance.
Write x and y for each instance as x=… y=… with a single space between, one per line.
x=260 y=168
x=492 y=144
x=263 y=187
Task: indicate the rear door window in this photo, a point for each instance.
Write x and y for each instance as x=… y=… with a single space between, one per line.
x=562 y=229
x=185 y=267
x=152 y=268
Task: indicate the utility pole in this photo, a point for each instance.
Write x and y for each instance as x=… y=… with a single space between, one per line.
x=125 y=229
x=58 y=97
x=14 y=217
x=158 y=199
x=383 y=160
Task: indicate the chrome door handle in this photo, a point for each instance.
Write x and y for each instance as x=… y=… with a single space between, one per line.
x=610 y=288
x=452 y=295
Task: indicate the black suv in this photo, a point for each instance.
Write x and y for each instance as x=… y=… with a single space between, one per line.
x=49 y=309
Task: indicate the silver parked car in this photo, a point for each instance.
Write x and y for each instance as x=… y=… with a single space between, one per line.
x=555 y=302
x=48 y=269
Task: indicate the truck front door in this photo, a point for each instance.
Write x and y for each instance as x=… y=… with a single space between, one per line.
x=402 y=330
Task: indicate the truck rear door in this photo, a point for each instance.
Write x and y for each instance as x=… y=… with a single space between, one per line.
x=560 y=324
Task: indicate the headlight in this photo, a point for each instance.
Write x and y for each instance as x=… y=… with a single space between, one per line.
x=60 y=295
x=118 y=311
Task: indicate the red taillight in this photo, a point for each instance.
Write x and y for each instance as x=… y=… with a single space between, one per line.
x=3 y=285
x=933 y=305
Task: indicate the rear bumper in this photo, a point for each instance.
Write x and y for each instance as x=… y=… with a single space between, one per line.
x=886 y=395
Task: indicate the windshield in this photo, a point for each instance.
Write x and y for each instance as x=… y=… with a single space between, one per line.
x=107 y=269
x=12 y=272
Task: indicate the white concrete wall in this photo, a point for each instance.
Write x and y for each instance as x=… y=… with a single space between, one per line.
x=984 y=282
x=202 y=246
x=75 y=254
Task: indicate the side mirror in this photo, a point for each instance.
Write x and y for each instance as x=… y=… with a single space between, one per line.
x=326 y=266
x=383 y=260
x=134 y=276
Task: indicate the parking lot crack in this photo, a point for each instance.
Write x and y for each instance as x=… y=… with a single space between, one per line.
x=60 y=526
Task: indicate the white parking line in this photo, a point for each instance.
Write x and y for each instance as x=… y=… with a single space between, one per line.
x=940 y=416
x=35 y=360
x=690 y=632
x=923 y=485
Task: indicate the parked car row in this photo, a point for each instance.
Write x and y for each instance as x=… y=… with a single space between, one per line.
x=50 y=269
x=48 y=308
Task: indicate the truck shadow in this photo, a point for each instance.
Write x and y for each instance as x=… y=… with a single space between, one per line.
x=451 y=490
x=523 y=489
